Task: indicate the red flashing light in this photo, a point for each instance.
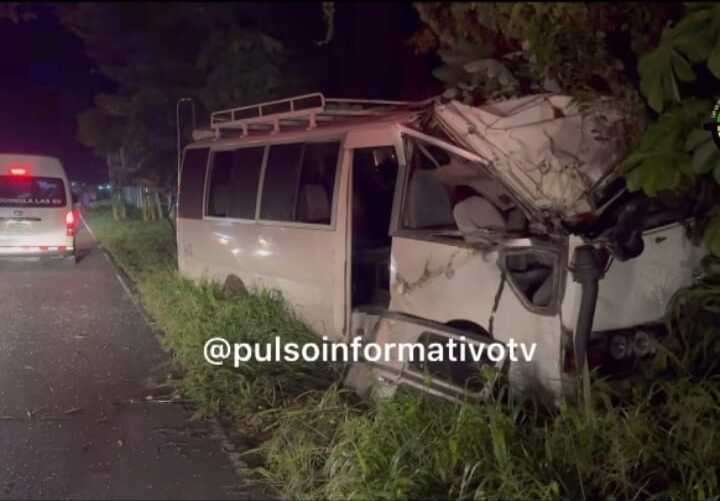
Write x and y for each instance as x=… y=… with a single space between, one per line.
x=18 y=168
x=70 y=223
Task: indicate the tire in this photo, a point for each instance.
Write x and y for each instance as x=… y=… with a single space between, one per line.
x=72 y=260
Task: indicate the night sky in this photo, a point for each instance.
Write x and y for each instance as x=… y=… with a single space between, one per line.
x=46 y=82
x=47 y=79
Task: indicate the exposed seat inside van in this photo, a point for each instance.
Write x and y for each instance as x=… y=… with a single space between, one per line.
x=221 y=201
x=314 y=204
x=429 y=202
x=477 y=212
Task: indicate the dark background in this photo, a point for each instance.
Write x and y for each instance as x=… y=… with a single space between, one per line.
x=46 y=78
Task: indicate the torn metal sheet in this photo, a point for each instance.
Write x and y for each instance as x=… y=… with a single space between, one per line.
x=542 y=146
x=384 y=376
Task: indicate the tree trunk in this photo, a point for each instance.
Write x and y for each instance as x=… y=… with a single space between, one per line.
x=117 y=194
x=158 y=206
x=123 y=169
x=145 y=205
x=116 y=214
x=123 y=207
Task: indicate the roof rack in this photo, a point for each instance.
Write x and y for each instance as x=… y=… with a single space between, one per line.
x=307 y=109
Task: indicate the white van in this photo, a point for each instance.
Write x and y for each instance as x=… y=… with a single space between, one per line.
x=414 y=222
x=36 y=208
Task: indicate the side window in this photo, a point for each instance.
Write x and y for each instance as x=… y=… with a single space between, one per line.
x=317 y=183
x=233 y=186
x=533 y=274
x=282 y=176
x=192 y=183
x=428 y=200
x=454 y=197
x=299 y=182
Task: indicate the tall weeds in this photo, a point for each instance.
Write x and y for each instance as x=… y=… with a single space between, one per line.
x=654 y=437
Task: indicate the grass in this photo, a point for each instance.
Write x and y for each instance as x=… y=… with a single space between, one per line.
x=138 y=247
x=655 y=437
x=189 y=314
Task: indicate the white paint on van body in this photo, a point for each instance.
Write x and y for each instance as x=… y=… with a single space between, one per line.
x=444 y=283
x=308 y=263
x=46 y=227
x=638 y=291
x=306 y=266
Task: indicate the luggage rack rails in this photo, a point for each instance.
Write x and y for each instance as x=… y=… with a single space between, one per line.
x=307 y=109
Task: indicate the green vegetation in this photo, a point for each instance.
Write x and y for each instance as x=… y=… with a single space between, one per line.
x=139 y=248
x=654 y=437
x=657 y=63
x=190 y=314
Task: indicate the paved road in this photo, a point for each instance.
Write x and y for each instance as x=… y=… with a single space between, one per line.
x=77 y=362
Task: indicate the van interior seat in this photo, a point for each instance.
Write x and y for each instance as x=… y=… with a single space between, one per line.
x=221 y=201
x=429 y=203
x=314 y=204
x=475 y=213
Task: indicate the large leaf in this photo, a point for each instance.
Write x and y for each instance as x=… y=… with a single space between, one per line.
x=693 y=34
x=656 y=77
x=656 y=174
x=696 y=138
x=695 y=39
x=663 y=160
x=705 y=157
x=712 y=235
x=454 y=57
x=682 y=68
x=450 y=75
x=714 y=61
x=698 y=6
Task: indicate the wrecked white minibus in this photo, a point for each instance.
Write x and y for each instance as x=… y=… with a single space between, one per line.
x=424 y=222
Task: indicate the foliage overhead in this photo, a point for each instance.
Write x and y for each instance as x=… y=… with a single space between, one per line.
x=574 y=47
x=155 y=54
x=15 y=12
x=657 y=61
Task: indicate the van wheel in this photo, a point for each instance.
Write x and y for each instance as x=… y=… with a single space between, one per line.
x=469 y=326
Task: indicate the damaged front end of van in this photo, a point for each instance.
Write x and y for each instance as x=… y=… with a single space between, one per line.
x=513 y=226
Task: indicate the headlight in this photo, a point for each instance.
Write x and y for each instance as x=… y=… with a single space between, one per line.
x=619 y=348
x=642 y=344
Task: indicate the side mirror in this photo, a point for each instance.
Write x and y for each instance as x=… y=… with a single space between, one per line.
x=535 y=274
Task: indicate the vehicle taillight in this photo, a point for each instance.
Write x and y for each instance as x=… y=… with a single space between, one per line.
x=70 y=223
x=18 y=168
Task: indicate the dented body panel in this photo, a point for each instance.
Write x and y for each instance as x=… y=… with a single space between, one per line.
x=638 y=291
x=551 y=154
x=469 y=282
x=386 y=327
